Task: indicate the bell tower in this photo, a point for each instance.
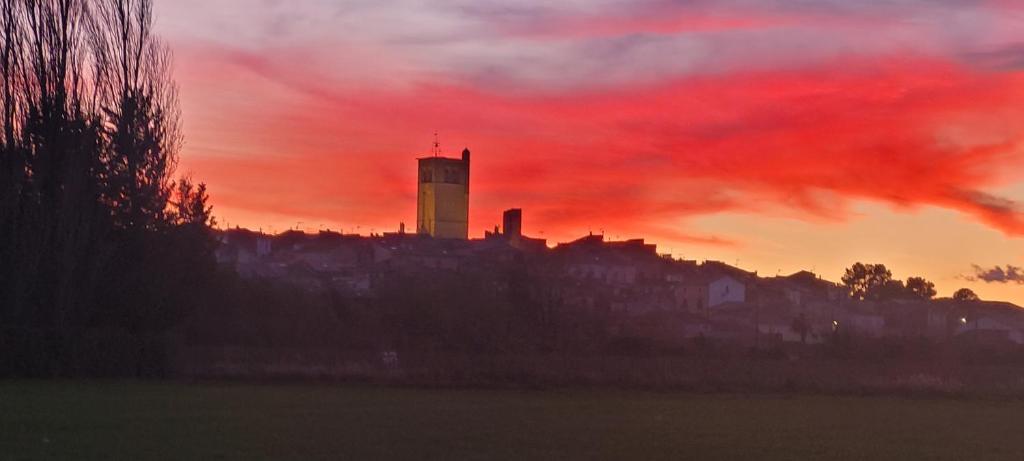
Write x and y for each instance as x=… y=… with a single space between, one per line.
x=442 y=197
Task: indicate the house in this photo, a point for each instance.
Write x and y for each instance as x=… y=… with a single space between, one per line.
x=692 y=296
x=859 y=321
x=621 y=264
x=726 y=289
x=799 y=291
x=991 y=327
x=698 y=293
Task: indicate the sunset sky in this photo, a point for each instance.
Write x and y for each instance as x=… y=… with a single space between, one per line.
x=782 y=135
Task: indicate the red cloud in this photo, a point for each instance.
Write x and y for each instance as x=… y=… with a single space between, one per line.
x=639 y=160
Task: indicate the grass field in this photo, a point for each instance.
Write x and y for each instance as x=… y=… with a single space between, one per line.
x=140 y=421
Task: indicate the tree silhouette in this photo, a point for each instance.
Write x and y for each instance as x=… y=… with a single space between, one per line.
x=191 y=205
x=138 y=100
x=893 y=289
x=801 y=327
x=90 y=135
x=965 y=295
x=867 y=281
x=921 y=288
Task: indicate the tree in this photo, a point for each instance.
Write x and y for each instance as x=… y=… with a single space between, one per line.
x=965 y=295
x=191 y=207
x=139 y=101
x=866 y=281
x=89 y=136
x=801 y=327
x=56 y=146
x=920 y=288
x=892 y=289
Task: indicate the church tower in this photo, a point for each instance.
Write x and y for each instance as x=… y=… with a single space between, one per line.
x=442 y=208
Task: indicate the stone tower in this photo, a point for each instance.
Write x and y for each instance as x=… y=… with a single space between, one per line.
x=442 y=206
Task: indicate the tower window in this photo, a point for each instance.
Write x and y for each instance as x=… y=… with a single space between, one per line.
x=452 y=176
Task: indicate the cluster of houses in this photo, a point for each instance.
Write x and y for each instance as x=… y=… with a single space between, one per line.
x=647 y=294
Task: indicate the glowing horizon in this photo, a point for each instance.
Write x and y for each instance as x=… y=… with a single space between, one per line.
x=786 y=136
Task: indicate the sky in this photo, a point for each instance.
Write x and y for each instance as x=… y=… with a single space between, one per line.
x=775 y=135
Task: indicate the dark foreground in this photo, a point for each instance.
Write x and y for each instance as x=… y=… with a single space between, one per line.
x=124 y=420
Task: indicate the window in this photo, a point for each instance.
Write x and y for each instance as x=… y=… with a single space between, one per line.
x=426 y=175
x=452 y=176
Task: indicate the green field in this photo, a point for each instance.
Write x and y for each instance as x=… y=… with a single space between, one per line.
x=138 y=421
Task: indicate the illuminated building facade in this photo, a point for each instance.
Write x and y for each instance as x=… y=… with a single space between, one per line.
x=442 y=209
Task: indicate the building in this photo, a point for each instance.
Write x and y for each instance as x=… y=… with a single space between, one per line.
x=860 y=321
x=512 y=223
x=725 y=289
x=511 y=232
x=692 y=296
x=699 y=293
x=442 y=208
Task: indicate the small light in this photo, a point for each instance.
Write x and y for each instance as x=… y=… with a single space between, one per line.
x=963 y=320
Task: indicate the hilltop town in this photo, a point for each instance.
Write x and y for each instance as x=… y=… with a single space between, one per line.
x=643 y=293
x=629 y=290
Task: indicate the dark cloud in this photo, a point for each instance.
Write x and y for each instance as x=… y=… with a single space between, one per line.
x=1007 y=58
x=1009 y=274
x=999 y=212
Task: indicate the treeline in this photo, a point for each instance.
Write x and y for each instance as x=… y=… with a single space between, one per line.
x=518 y=306
x=874 y=282
x=101 y=250
x=491 y=310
